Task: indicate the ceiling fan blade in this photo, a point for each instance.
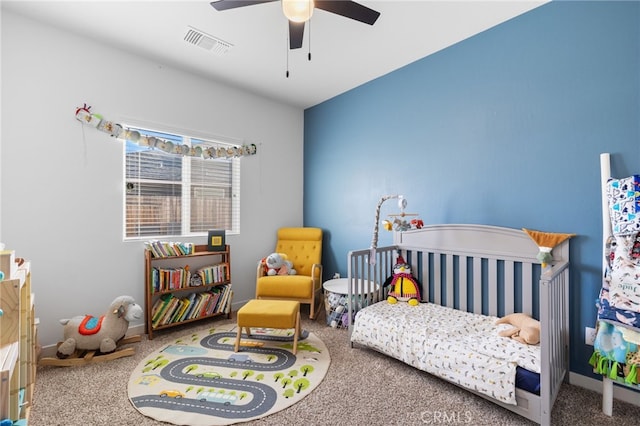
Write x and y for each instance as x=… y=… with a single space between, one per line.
x=296 y=32
x=232 y=4
x=349 y=9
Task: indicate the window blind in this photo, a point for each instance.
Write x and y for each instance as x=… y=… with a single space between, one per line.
x=170 y=194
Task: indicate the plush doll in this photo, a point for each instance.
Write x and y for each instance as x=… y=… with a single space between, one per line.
x=404 y=286
x=525 y=329
x=278 y=264
x=416 y=223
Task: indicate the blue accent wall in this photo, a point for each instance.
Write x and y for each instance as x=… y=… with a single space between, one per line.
x=505 y=128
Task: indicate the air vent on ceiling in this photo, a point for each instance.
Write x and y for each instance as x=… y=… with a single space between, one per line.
x=206 y=41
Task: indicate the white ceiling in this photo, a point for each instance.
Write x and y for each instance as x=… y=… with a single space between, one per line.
x=345 y=53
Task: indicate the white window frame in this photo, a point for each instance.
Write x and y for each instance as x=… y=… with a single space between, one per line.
x=186 y=163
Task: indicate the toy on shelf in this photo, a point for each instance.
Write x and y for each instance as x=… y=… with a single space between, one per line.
x=91 y=339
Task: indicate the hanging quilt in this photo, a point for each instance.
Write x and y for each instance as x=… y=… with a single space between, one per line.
x=623 y=196
x=623 y=276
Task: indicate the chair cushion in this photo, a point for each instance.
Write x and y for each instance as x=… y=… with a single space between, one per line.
x=285 y=286
x=268 y=313
x=303 y=247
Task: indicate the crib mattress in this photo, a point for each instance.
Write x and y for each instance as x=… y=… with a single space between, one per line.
x=461 y=347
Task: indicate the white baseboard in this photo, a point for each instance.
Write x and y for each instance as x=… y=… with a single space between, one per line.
x=620 y=392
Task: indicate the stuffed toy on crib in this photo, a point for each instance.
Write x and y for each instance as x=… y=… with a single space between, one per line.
x=404 y=286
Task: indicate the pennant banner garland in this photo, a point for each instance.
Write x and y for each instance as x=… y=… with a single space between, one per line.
x=84 y=115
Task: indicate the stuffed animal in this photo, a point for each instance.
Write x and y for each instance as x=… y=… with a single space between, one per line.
x=404 y=286
x=525 y=329
x=91 y=333
x=416 y=223
x=278 y=264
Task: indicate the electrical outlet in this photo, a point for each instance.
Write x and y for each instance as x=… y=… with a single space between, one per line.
x=589 y=336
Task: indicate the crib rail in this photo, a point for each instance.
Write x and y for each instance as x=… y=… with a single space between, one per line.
x=554 y=335
x=366 y=279
x=481 y=284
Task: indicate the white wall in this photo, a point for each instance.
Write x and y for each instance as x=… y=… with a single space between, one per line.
x=62 y=182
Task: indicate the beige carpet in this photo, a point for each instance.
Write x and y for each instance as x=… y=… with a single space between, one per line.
x=361 y=387
x=199 y=380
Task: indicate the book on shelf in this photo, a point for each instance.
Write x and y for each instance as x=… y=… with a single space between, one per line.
x=207 y=308
x=173 y=304
x=157 y=306
x=216 y=293
x=190 y=302
x=170 y=309
x=163 y=279
x=213 y=274
x=200 y=302
x=169 y=248
x=160 y=308
x=183 y=304
x=223 y=298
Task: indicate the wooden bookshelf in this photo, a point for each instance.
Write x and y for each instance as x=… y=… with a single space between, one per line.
x=184 y=288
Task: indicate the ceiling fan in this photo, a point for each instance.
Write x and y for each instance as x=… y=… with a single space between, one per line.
x=299 y=11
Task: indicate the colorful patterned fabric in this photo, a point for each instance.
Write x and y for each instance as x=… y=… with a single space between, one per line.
x=606 y=312
x=616 y=352
x=458 y=346
x=624 y=204
x=90 y=325
x=624 y=283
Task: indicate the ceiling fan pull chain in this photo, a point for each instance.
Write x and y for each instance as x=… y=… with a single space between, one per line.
x=287 y=74
x=309 y=56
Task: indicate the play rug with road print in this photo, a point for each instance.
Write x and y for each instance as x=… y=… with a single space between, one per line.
x=199 y=379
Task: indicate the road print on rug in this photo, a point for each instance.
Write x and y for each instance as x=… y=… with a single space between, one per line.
x=199 y=380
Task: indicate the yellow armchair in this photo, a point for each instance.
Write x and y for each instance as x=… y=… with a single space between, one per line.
x=303 y=247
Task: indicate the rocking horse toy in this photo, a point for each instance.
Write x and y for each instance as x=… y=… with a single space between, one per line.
x=93 y=339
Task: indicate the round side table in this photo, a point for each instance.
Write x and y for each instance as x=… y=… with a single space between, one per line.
x=336 y=294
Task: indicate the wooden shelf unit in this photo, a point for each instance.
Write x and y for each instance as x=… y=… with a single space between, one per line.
x=201 y=258
x=18 y=343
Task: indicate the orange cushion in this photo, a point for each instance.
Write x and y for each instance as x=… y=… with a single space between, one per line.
x=285 y=286
x=268 y=313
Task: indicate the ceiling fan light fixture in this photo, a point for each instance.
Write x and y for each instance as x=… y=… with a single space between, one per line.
x=297 y=10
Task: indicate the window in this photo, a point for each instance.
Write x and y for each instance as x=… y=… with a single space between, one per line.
x=170 y=194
